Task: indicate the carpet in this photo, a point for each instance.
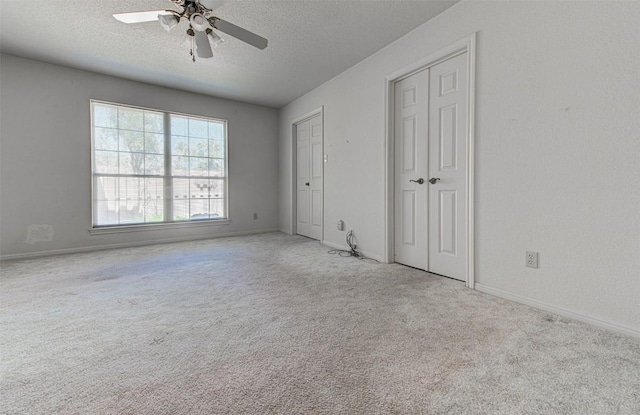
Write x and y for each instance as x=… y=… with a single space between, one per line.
x=273 y=324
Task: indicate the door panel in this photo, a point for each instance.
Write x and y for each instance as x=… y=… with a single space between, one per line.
x=447 y=136
x=409 y=217
x=303 y=158
x=303 y=211
x=316 y=208
x=448 y=161
x=447 y=225
x=409 y=144
x=410 y=132
x=316 y=162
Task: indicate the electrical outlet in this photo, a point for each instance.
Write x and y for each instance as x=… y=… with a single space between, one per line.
x=532 y=259
x=340 y=225
x=255 y=216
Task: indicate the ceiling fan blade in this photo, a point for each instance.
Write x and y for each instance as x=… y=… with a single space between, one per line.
x=139 y=17
x=211 y=4
x=238 y=32
x=203 y=48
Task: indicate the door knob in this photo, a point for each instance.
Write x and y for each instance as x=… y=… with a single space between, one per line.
x=306 y=184
x=433 y=180
x=419 y=181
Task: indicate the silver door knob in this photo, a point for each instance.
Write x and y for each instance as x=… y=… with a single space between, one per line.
x=419 y=181
x=433 y=180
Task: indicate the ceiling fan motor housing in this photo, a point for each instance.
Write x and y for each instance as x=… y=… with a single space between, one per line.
x=198 y=22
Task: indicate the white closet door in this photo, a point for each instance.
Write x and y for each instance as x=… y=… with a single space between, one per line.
x=309 y=177
x=448 y=106
x=411 y=169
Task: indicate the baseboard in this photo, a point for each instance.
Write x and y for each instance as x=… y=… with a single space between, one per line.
x=131 y=244
x=608 y=325
x=345 y=247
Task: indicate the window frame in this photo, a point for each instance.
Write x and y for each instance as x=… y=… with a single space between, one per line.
x=167 y=177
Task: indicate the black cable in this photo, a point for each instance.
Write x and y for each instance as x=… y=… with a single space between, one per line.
x=352 y=251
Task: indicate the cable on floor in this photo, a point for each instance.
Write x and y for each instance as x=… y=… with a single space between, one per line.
x=352 y=251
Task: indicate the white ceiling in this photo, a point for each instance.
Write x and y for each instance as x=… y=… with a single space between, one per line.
x=310 y=42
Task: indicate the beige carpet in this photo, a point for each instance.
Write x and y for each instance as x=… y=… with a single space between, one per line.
x=273 y=324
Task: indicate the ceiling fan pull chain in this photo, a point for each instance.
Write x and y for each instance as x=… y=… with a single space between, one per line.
x=191 y=35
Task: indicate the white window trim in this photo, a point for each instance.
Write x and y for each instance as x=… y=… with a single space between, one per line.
x=159 y=226
x=137 y=227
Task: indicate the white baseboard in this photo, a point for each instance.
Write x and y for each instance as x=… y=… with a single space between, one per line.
x=608 y=325
x=346 y=248
x=130 y=244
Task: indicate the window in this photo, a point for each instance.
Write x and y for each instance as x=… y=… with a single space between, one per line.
x=152 y=166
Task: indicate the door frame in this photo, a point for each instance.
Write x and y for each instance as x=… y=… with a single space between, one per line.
x=468 y=45
x=294 y=167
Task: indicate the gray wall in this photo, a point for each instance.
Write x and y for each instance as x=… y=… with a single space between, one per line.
x=45 y=165
x=557 y=150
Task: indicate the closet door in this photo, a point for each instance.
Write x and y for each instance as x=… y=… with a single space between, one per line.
x=448 y=92
x=309 y=175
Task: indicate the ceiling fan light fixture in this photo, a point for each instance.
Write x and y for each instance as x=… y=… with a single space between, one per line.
x=168 y=21
x=200 y=35
x=198 y=22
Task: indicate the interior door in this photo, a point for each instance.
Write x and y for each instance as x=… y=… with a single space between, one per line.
x=411 y=170
x=448 y=96
x=309 y=177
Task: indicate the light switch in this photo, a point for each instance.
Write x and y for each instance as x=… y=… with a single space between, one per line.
x=326 y=158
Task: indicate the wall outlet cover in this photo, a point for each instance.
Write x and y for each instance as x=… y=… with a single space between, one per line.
x=531 y=259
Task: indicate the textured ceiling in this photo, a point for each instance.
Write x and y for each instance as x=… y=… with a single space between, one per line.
x=309 y=42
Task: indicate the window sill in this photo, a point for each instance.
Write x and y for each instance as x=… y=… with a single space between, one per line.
x=157 y=226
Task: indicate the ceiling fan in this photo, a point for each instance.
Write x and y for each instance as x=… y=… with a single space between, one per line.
x=201 y=24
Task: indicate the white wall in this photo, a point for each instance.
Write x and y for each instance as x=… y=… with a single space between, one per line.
x=557 y=156
x=46 y=155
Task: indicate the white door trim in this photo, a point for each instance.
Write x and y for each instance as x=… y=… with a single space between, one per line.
x=294 y=207
x=466 y=44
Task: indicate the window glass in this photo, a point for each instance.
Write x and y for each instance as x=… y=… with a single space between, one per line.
x=144 y=173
